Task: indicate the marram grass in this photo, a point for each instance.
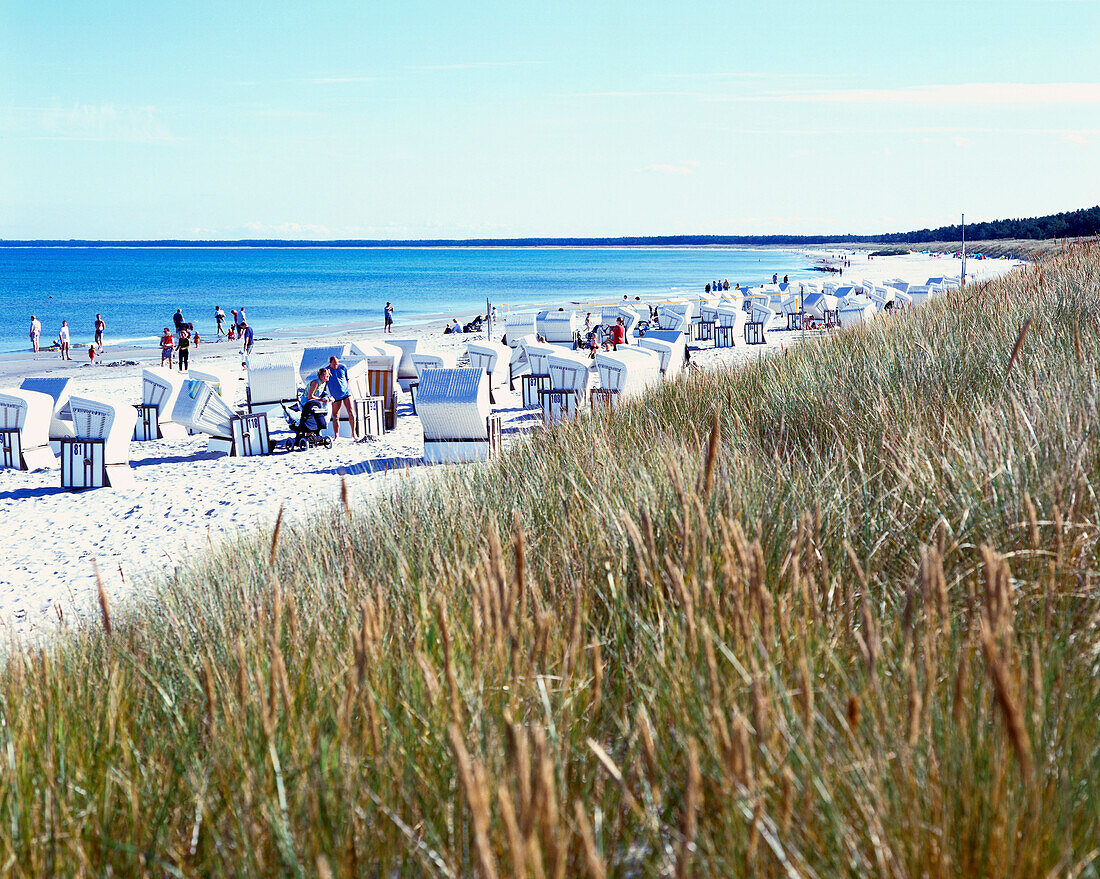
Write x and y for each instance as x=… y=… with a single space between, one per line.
x=831 y=614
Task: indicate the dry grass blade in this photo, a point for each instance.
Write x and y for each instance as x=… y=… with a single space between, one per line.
x=1018 y=346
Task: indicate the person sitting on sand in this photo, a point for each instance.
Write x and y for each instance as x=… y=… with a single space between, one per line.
x=454 y=327
x=167 y=346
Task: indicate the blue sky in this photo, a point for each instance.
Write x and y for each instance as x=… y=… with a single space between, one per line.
x=431 y=119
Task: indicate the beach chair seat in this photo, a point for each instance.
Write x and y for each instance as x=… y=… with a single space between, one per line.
x=731 y=325
x=224 y=381
x=25 y=430
x=98 y=453
x=455 y=414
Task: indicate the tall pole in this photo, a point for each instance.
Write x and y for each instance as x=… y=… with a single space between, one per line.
x=962 y=278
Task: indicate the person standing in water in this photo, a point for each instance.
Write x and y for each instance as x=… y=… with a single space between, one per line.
x=36 y=332
x=219 y=316
x=63 y=338
x=389 y=318
x=100 y=326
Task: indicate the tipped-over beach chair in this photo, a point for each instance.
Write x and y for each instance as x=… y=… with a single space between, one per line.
x=199 y=408
x=25 y=430
x=225 y=382
x=99 y=452
x=557 y=325
x=568 y=393
x=453 y=405
x=159 y=389
x=61 y=421
x=272 y=381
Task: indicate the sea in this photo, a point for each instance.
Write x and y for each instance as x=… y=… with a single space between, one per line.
x=288 y=290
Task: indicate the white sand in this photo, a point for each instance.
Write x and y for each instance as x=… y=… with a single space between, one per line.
x=185 y=496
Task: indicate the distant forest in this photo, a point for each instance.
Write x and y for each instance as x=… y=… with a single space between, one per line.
x=1071 y=224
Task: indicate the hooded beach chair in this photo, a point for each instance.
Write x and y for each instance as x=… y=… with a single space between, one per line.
x=624 y=372
x=557 y=325
x=568 y=392
x=25 y=430
x=61 y=422
x=98 y=454
x=453 y=405
x=273 y=380
x=490 y=357
x=159 y=389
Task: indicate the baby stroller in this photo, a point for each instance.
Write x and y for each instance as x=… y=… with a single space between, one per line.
x=307 y=427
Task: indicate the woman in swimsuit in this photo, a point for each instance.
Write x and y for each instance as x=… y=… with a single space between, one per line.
x=167 y=345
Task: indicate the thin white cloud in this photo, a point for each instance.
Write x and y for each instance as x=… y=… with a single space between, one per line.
x=972 y=93
x=1076 y=137
x=681 y=169
x=88 y=122
x=341 y=80
x=478 y=65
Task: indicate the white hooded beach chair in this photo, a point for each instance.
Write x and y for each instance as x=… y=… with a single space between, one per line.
x=675 y=315
x=518 y=324
x=569 y=377
x=731 y=325
x=624 y=372
x=453 y=405
x=382 y=361
x=557 y=325
x=61 y=422
x=99 y=452
x=919 y=293
x=25 y=430
x=821 y=306
x=421 y=361
x=518 y=364
x=272 y=380
x=537 y=376
x=490 y=357
x=159 y=389
x=856 y=311
x=671 y=360
x=405 y=371
x=313 y=358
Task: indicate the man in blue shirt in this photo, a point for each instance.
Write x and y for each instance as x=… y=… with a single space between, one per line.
x=246 y=337
x=340 y=392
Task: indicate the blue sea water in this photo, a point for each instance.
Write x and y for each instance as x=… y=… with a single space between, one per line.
x=138 y=290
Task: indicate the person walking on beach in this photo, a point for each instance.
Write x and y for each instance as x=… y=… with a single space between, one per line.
x=340 y=392
x=389 y=318
x=177 y=319
x=183 y=349
x=167 y=345
x=36 y=332
x=236 y=324
x=63 y=338
x=240 y=321
x=219 y=316
x=100 y=326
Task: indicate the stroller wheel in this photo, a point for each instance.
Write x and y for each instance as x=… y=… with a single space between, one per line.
x=328 y=442
x=289 y=444
x=302 y=444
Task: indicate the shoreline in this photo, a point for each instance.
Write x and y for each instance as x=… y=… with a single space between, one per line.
x=185 y=497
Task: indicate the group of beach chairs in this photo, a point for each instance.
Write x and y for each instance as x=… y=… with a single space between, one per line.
x=542 y=351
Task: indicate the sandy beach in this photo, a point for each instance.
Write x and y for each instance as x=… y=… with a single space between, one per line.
x=186 y=497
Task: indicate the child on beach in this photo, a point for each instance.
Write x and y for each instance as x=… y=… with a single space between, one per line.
x=167 y=346
x=91 y=354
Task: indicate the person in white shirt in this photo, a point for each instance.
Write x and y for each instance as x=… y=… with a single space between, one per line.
x=64 y=338
x=36 y=332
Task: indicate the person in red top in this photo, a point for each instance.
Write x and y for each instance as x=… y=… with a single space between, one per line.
x=167 y=344
x=618 y=334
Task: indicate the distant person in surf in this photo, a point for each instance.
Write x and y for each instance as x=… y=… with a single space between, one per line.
x=100 y=328
x=63 y=338
x=388 y=314
x=36 y=332
x=219 y=316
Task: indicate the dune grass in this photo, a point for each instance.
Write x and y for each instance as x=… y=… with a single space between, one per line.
x=831 y=614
